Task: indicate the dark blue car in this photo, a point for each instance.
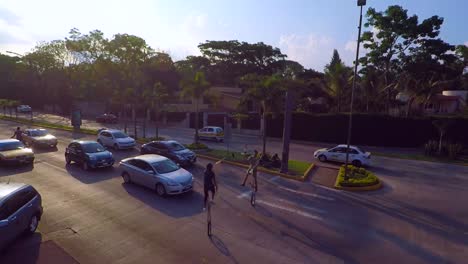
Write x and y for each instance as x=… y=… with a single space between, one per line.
x=20 y=211
x=89 y=154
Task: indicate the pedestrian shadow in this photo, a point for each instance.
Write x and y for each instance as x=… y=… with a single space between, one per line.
x=177 y=206
x=223 y=249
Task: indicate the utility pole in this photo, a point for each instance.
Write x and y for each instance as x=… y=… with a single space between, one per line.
x=287 y=130
x=360 y=3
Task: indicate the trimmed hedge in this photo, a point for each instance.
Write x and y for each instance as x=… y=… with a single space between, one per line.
x=358 y=177
x=368 y=129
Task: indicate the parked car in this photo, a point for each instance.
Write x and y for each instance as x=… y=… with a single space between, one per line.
x=116 y=139
x=107 y=118
x=23 y=109
x=211 y=132
x=89 y=154
x=20 y=211
x=170 y=149
x=357 y=157
x=13 y=151
x=157 y=173
x=39 y=138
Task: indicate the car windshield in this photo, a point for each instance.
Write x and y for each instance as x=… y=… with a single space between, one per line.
x=93 y=148
x=39 y=133
x=119 y=135
x=360 y=150
x=11 y=146
x=174 y=146
x=165 y=166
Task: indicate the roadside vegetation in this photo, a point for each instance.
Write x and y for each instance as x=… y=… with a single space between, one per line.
x=358 y=177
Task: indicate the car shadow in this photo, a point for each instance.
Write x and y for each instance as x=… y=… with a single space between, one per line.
x=92 y=175
x=177 y=206
x=25 y=249
x=9 y=170
x=41 y=150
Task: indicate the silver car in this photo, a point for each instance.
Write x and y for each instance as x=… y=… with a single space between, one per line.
x=20 y=211
x=158 y=173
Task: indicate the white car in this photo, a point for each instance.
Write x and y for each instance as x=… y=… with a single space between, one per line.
x=23 y=109
x=357 y=157
x=211 y=132
x=116 y=139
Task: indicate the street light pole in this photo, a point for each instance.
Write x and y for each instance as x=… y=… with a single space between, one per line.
x=360 y=3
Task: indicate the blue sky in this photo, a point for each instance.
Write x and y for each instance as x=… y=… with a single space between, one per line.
x=305 y=30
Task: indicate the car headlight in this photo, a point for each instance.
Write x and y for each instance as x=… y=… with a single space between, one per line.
x=172 y=183
x=180 y=157
x=92 y=158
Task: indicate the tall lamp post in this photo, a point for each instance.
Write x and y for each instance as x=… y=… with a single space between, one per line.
x=360 y=3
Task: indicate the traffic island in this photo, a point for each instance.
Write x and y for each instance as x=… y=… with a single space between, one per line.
x=298 y=170
x=359 y=179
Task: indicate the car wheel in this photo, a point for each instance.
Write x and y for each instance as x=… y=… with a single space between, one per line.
x=322 y=158
x=160 y=190
x=126 y=177
x=85 y=166
x=33 y=223
x=357 y=163
x=67 y=159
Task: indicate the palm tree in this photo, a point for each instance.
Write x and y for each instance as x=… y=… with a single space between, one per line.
x=195 y=88
x=442 y=125
x=154 y=97
x=337 y=76
x=265 y=91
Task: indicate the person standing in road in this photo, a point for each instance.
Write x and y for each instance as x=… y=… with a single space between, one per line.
x=209 y=184
x=254 y=162
x=18 y=134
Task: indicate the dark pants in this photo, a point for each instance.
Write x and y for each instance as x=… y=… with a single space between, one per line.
x=207 y=190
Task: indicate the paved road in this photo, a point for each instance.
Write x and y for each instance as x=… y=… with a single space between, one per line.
x=419 y=217
x=298 y=150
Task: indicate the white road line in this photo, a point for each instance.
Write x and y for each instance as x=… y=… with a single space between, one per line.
x=291 y=210
x=320 y=211
x=274 y=179
x=307 y=194
x=244 y=195
x=54 y=166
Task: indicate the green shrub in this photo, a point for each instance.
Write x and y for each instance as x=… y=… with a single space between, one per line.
x=358 y=177
x=196 y=146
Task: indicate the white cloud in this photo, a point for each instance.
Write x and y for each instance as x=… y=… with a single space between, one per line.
x=312 y=51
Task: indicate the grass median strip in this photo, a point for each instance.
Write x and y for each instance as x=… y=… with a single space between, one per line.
x=47 y=125
x=298 y=169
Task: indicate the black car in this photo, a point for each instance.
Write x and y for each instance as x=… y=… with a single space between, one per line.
x=89 y=154
x=170 y=149
x=107 y=118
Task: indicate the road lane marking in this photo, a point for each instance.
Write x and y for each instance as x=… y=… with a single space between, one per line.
x=54 y=166
x=307 y=194
x=291 y=210
x=320 y=211
x=244 y=195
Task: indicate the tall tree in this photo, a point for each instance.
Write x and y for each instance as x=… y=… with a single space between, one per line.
x=393 y=34
x=195 y=89
x=337 y=76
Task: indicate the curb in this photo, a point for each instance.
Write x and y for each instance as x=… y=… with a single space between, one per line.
x=360 y=189
x=284 y=175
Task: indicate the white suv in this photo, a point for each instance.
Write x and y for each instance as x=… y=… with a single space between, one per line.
x=357 y=157
x=116 y=139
